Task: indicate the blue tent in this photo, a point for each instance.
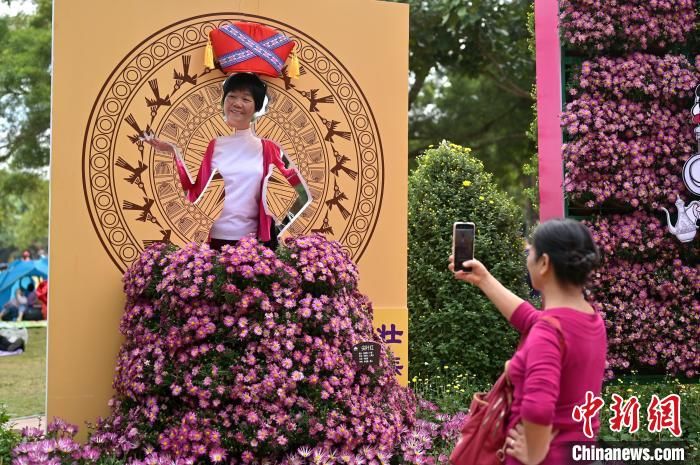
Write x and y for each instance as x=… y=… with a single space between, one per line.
x=21 y=273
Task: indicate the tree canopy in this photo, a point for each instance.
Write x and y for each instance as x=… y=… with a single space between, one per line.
x=471 y=78
x=25 y=112
x=24 y=213
x=475 y=38
x=25 y=87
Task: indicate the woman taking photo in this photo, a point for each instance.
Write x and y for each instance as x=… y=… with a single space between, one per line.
x=554 y=368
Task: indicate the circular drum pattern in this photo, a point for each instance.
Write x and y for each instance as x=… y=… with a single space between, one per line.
x=322 y=121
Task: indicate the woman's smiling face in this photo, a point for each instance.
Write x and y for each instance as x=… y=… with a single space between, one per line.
x=239 y=108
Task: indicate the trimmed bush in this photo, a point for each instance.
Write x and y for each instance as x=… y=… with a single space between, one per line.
x=452 y=323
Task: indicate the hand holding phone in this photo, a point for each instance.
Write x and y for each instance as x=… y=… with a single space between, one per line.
x=463 y=244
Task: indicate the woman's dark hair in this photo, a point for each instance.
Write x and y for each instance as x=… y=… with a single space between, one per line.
x=570 y=248
x=246 y=81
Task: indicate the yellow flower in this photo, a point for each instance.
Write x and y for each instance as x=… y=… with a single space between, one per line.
x=481 y=197
x=446 y=367
x=415 y=379
x=466 y=183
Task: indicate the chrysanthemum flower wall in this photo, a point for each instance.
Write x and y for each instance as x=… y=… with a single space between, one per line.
x=249 y=355
x=629 y=130
x=626 y=25
x=648 y=295
x=629 y=133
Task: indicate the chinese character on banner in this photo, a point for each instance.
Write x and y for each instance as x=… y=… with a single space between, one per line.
x=390 y=335
x=587 y=411
x=665 y=414
x=398 y=366
x=625 y=414
x=391 y=326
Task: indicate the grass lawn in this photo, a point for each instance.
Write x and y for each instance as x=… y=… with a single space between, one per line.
x=23 y=378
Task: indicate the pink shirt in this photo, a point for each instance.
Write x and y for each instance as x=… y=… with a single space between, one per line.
x=547 y=386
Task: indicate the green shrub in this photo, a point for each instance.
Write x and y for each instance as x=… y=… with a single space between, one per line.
x=633 y=386
x=450 y=322
x=451 y=393
x=8 y=437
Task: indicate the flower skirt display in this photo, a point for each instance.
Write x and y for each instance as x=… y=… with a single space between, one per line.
x=244 y=355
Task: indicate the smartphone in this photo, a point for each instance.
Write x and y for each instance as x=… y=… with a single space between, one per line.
x=463 y=244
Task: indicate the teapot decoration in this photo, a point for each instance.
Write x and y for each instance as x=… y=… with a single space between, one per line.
x=695 y=109
x=686 y=223
x=691 y=168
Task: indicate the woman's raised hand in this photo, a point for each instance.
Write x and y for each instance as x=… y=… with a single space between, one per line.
x=505 y=301
x=159 y=144
x=475 y=276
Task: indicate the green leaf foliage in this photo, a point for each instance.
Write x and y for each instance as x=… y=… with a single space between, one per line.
x=8 y=437
x=475 y=112
x=471 y=71
x=25 y=87
x=477 y=38
x=644 y=388
x=451 y=322
x=24 y=213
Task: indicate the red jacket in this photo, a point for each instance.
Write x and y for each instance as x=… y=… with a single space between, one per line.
x=42 y=293
x=271 y=155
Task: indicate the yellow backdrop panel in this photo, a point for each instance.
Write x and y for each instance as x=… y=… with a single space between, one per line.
x=125 y=68
x=391 y=325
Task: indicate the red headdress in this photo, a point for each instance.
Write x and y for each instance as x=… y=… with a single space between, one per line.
x=252 y=48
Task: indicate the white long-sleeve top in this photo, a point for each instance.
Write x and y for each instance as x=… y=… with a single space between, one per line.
x=239 y=160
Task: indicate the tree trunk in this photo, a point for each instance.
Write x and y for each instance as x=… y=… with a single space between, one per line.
x=420 y=76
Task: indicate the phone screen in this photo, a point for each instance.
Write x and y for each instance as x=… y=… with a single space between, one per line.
x=463 y=244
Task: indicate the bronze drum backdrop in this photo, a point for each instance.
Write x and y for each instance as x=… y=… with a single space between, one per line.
x=322 y=121
x=124 y=69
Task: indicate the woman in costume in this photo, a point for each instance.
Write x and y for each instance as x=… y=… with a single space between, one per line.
x=243 y=160
x=556 y=366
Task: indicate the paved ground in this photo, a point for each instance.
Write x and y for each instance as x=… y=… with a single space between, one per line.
x=36 y=421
